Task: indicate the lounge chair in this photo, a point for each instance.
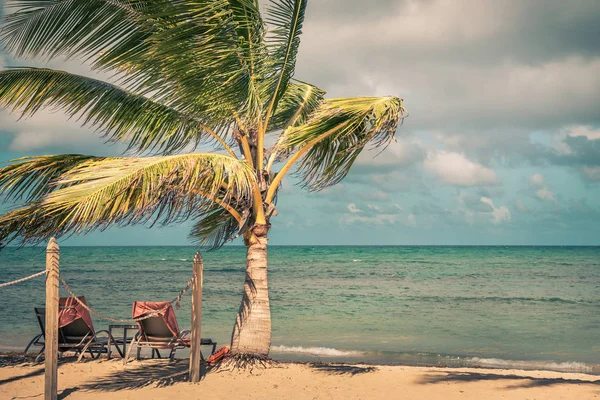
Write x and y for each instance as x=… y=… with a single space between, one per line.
x=75 y=330
x=161 y=332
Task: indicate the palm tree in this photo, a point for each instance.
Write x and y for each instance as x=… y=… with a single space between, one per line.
x=185 y=73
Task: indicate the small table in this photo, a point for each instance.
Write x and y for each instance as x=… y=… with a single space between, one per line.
x=123 y=341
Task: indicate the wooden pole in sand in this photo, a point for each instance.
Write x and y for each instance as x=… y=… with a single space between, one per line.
x=195 y=355
x=51 y=338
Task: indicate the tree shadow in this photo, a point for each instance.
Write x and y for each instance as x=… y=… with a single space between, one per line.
x=156 y=373
x=26 y=362
x=14 y=359
x=341 y=369
x=526 y=381
x=65 y=393
x=36 y=372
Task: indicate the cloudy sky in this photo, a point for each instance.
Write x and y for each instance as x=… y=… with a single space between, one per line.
x=502 y=145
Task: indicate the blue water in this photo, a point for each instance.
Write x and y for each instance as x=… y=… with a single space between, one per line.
x=522 y=307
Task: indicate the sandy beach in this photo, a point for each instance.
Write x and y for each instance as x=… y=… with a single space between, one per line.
x=156 y=379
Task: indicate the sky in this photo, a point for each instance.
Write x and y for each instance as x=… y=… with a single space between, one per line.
x=502 y=145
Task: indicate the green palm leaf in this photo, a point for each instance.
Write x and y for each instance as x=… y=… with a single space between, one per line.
x=72 y=27
x=285 y=19
x=120 y=114
x=299 y=101
x=101 y=192
x=186 y=53
x=29 y=178
x=250 y=32
x=329 y=142
x=215 y=228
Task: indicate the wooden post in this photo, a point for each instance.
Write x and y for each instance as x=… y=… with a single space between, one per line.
x=195 y=355
x=51 y=339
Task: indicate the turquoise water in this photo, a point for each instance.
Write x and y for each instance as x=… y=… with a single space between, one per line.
x=523 y=307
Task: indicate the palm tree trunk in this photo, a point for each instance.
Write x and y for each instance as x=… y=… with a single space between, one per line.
x=252 y=329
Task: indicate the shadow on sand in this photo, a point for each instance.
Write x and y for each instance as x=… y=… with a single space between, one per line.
x=28 y=361
x=525 y=381
x=36 y=372
x=153 y=373
x=341 y=369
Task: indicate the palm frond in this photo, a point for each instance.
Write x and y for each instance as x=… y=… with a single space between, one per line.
x=251 y=31
x=285 y=18
x=29 y=178
x=120 y=114
x=299 y=101
x=48 y=28
x=185 y=53
x=102 y=192
x=329 y=142
x=215 y=228
x=195 y=61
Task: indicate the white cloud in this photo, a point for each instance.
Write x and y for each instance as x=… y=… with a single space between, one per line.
x=560 y=144
x=545 y=194
x=47 y=129
x=448 y=71
x=455 y=169
x=537 y=180
x=500 y=214
x=591 y=173
x=521 y=207
x=353 y=209
x=380 y=219
x=583 y=130
x=374 y=207
x=378 y=216
x=401 y=152
x=373 y=194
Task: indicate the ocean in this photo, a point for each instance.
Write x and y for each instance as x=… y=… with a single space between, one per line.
x=496 y=306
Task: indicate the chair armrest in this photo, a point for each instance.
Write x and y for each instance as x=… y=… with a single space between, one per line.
x=185 y=333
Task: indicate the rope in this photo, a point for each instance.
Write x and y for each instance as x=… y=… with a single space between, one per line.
x=23 y=279
x=176 y=301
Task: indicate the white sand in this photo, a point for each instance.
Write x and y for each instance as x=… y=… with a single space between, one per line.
x=155 y=379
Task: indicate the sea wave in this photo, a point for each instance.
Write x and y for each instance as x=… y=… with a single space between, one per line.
x=317 y=351
x=440 y=359
x=569 y=366
x=443 y=299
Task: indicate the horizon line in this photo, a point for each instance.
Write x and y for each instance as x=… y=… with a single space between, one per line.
x=327 y=245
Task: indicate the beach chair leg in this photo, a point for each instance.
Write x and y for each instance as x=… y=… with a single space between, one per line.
x=139 y=352
x=111 y=342
x=33 y=341
x=85 y=348
x=134 y=342
x=158 y=354
x=172 y=355
x=40 y=354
